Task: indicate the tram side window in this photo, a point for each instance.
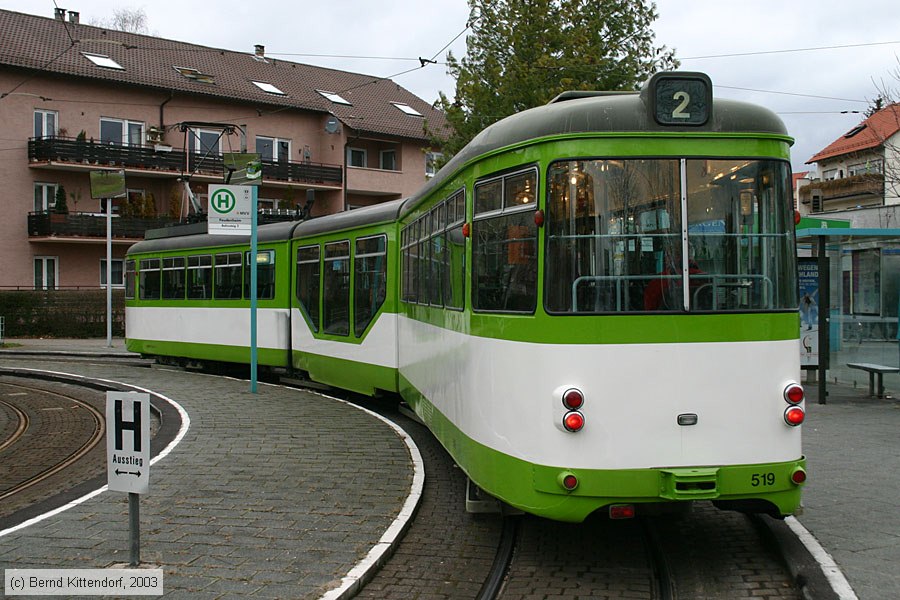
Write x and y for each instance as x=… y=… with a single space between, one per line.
x=336 y=289
x=454 y=255
x=370 y=278
x=228 y=276
x=173 y=278
x=265 y=275
x=129 y=279
x=308 y=283
x=408 y=250
x=504 y=244
x=150 y=281
x=199 y=277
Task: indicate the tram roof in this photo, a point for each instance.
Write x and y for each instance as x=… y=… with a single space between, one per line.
x=598 y=112
x=359 y=217
x=272 y=232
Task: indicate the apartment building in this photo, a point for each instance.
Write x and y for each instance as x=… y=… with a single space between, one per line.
x=75 y=98
x=859 y=169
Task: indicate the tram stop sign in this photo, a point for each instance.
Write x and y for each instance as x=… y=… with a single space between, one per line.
x=128 y=442
x=230 y=209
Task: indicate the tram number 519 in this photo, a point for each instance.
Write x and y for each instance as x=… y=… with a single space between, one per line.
x=762 y=479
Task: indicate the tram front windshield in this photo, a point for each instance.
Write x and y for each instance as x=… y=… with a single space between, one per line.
x=620 y=238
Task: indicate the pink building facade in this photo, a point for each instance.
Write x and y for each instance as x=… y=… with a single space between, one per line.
x=166 y=114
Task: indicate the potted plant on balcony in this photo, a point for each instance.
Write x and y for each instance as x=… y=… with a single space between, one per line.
x=80 y=145
x=60 y=206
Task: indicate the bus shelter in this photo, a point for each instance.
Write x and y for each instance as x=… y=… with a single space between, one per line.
x=849 y=295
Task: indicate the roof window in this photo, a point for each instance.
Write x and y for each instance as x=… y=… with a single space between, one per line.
x=407 y=109
x=855 y=130
x=101 y=60
x=195 y=74
x=268 y=88
x=336 y=98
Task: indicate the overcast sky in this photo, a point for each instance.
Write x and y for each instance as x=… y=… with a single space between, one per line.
x=848 y=52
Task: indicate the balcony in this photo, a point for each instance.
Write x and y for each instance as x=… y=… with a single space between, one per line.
x=91 y=225
x=79 y=225
x=74 y=154
x=856 y=186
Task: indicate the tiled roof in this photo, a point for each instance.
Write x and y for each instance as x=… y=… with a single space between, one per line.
x=53 y=46
x=871 y=133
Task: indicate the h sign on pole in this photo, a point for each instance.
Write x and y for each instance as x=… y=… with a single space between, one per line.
x=128 y=442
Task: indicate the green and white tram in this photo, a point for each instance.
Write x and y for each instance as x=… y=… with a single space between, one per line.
x=593 y=306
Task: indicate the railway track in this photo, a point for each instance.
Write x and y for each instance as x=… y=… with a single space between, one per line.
x=56 y=441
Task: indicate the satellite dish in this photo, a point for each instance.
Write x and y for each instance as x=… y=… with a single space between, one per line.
x=332 y=125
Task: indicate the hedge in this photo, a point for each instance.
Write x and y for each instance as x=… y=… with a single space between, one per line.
x=60 y=313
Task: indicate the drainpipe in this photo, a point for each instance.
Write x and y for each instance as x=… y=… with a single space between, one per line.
x=347 y=145
x=162 y=120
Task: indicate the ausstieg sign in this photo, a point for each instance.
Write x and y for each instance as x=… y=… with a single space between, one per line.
x=230 y=209
x=128 y=441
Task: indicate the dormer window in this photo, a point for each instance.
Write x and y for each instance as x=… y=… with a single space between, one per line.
x=268 y=88
x=407 y=109
x=334 y=97
x=101 y=60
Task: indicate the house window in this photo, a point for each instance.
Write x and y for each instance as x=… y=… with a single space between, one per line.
x=118 y=276
x=432 y=159
x=830 y=174
x=121 y=132
x=268 y=88
x=205 y=142
x=356 y=157
x=407 y=109
x=336 y=98
x=866 y=168
x=46 y=272
x=44 y=196
x=274 y=149
x=389 y=160
x=101 y=60
x=45 y=123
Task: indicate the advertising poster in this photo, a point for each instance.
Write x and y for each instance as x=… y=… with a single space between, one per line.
x=809 y=311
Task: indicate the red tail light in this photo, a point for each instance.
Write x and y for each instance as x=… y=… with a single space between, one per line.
x=568 y=481
x=794 y=394
x=573 y=399
x=794 y=415
x=573 y=421
x=798 y=476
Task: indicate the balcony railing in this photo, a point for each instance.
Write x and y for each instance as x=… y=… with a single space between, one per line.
x=74 y=151
x=91 y=225
x=870 y=184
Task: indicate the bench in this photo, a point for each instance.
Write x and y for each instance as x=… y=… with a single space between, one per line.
x=873 y=370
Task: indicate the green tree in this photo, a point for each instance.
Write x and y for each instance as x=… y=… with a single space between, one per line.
x=522 y=53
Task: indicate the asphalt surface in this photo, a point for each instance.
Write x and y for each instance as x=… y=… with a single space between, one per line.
x=283 y=493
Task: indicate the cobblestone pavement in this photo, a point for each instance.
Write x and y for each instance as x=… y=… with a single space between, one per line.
x=272 y=495
x=850 y=501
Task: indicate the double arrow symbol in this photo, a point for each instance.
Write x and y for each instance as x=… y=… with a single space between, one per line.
x=136 y=473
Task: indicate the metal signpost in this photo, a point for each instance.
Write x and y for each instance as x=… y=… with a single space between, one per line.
x=106 y=185
x=128 y=455
x=232 y=211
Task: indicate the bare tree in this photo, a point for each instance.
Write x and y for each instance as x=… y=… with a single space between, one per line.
x=132 y=20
